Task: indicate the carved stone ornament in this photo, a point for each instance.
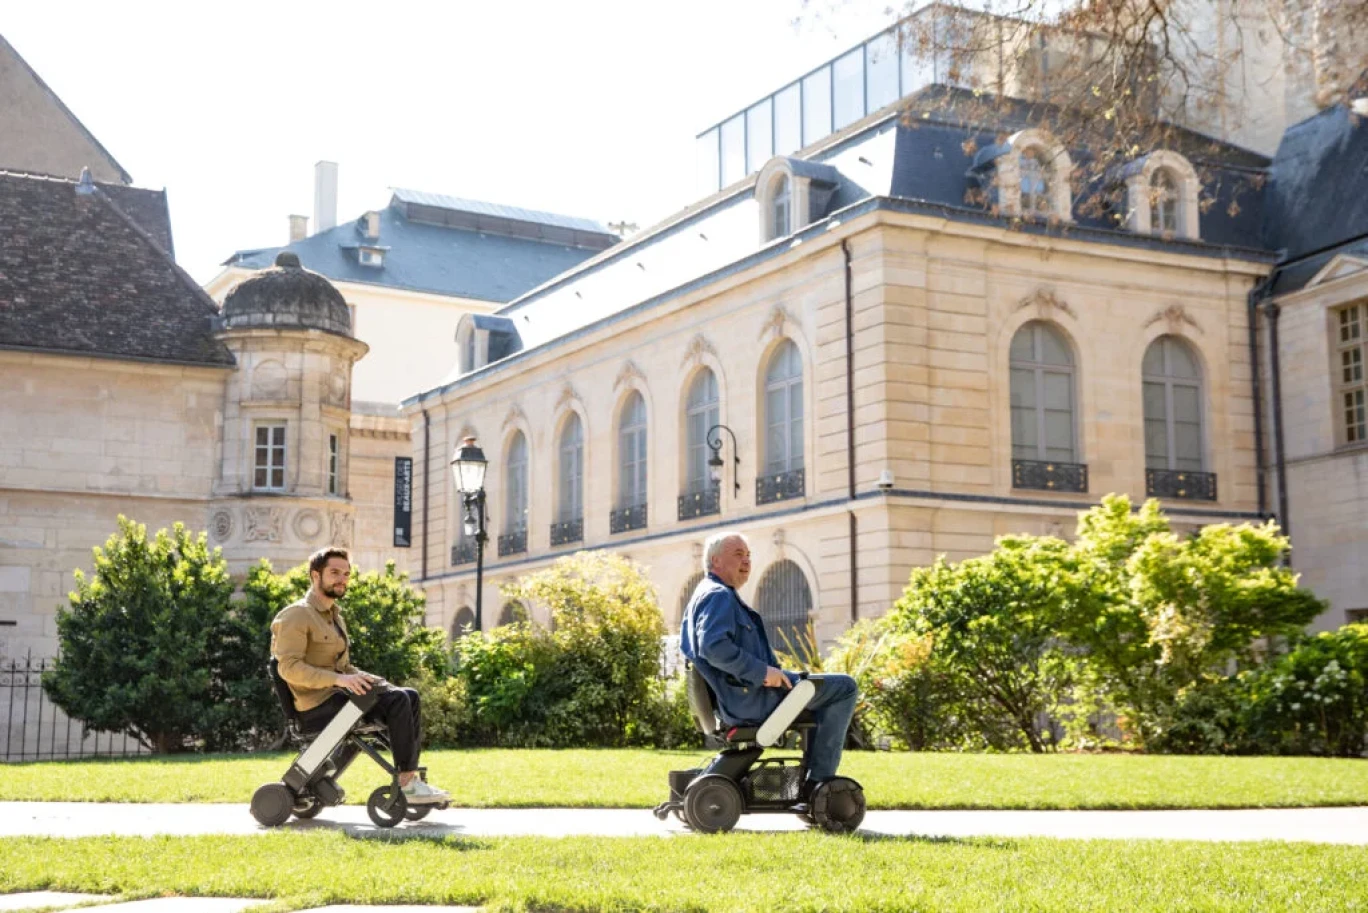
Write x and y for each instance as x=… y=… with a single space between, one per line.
x=778 y=538
x=567 y=396
x=264 y=524
x=221 y=525
x=341 y=526
x=698 y=347
x=628 y=373
x=1046 y=303
x=1175 y=315
x=515 y=415
x=337 y=388
x=774 y=325
x=268 y=380
x=308 y=524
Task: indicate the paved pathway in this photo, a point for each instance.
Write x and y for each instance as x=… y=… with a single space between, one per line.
x=80 y=819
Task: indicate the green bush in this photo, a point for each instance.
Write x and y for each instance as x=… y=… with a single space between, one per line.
x=141 y=637
x=447 y=718
x=665 y=720
x=1314 y=699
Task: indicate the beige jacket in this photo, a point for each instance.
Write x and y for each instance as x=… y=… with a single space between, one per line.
x=310 y=644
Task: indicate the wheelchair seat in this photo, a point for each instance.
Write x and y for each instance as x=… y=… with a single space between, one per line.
x=294 y=728
x=703 y=704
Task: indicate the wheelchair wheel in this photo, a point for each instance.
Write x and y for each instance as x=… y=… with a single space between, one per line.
x=307 y=807
x=387 y=806
x=712 y=804
x=417 y=812
x=272 y=804
x=838 y=805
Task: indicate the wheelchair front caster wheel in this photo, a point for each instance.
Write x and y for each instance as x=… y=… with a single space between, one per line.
x=272 y=804
x=838 y=805
x=712 y=804
x=387 y=806
x=308 y=807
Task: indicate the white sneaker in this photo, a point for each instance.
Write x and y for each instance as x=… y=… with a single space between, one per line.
x=419 y=793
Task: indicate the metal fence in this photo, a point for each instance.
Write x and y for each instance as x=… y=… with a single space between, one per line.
x=36 y=730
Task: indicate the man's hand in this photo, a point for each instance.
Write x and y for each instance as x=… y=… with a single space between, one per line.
x=356 y=684
x=775 y=678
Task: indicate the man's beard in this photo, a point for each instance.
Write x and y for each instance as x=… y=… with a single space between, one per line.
x=336 y=591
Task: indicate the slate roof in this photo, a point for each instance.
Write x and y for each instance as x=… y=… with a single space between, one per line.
x=78 y=275
x=459 y=260
x=1317 y=195
x=146 y=207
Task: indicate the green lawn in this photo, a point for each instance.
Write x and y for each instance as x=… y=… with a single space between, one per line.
x=637 y=779
x=791 y=872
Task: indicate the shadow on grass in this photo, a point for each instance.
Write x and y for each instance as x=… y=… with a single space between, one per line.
x=985 y=843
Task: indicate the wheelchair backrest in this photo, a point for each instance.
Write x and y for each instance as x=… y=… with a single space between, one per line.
x=701 y=702
x=282 y=692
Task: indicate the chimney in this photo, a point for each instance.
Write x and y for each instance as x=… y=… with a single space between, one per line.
x=325 y=196
x=299 y=228
x=372 y=224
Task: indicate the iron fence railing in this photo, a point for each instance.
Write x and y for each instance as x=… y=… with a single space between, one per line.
x=35 y=729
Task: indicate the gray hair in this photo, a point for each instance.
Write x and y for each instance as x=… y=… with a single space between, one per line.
x=713 y=545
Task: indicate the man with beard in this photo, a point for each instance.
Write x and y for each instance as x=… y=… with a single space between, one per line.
x=309 y=641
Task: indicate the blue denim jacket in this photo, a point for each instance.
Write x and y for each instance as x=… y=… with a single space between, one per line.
x=725 y=639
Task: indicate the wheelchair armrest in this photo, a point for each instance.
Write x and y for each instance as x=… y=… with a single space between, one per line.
x=772 y=730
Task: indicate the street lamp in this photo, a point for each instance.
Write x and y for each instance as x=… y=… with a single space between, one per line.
x=468 y=468
x=714 y=440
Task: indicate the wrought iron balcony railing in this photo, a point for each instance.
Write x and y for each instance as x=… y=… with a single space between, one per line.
x=1173 y=483
x=702 y=502
x=567 y=531
x=463 y=552
x=780 y=487
x=624 y=519
x=514 y=543
x=1049 y=476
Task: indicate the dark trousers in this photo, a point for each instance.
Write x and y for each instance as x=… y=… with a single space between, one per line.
x=397 y=708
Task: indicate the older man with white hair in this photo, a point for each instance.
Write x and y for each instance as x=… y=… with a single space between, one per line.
x=726 y=640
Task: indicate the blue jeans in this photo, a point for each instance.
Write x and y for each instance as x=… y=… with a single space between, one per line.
x=832 y=708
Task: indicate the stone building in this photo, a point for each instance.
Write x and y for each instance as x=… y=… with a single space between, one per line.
x=897 y=373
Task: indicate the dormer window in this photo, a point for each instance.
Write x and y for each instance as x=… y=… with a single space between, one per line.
x=781 y=208
x=792 y=193
x=1161 y=196
x=1028 y=176
x=369 y=256
x=1035 y=189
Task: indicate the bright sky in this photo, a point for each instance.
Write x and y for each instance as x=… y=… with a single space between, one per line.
x=584 y=108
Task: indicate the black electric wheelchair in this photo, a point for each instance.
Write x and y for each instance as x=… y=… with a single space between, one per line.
x=310 y=785
x=737 y=781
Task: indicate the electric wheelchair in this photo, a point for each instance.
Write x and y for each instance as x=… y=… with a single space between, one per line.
x=310 y=785
x=738 y=781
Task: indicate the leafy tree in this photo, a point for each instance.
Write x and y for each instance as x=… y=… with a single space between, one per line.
x=136 y=636
x=1313 y=699
x=992 y=622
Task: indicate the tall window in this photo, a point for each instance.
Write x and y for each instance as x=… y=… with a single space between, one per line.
x=700 y=414
x=332 y=464
x=1173 y=406
x=1163 y=202
x=515 y=486
x=632 y=452
x=781 y=208
x=571 y=473
x=686 y=594
x=784 y=601
x=1042 y=381
x=269 y=463
x=463 y=622
x=1035 y=187
x=1349 y=383
x=784 y=410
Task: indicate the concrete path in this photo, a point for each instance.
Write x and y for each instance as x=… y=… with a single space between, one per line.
x=1316 y=825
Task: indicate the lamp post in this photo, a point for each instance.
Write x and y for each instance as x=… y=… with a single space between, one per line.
x=468 y=468
x=714 y=440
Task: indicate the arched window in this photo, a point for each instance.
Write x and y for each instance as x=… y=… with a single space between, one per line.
x=1035 y=186
x=571 y=474
x=515 y=484
x=784 y=602
x=1172 y=381
x=1042 y=396
x=464 y=622
x=1163 y=202
x=700 y=415
x=781 y=208
x=631 y=489
x=784 y=410
x=512 y=611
